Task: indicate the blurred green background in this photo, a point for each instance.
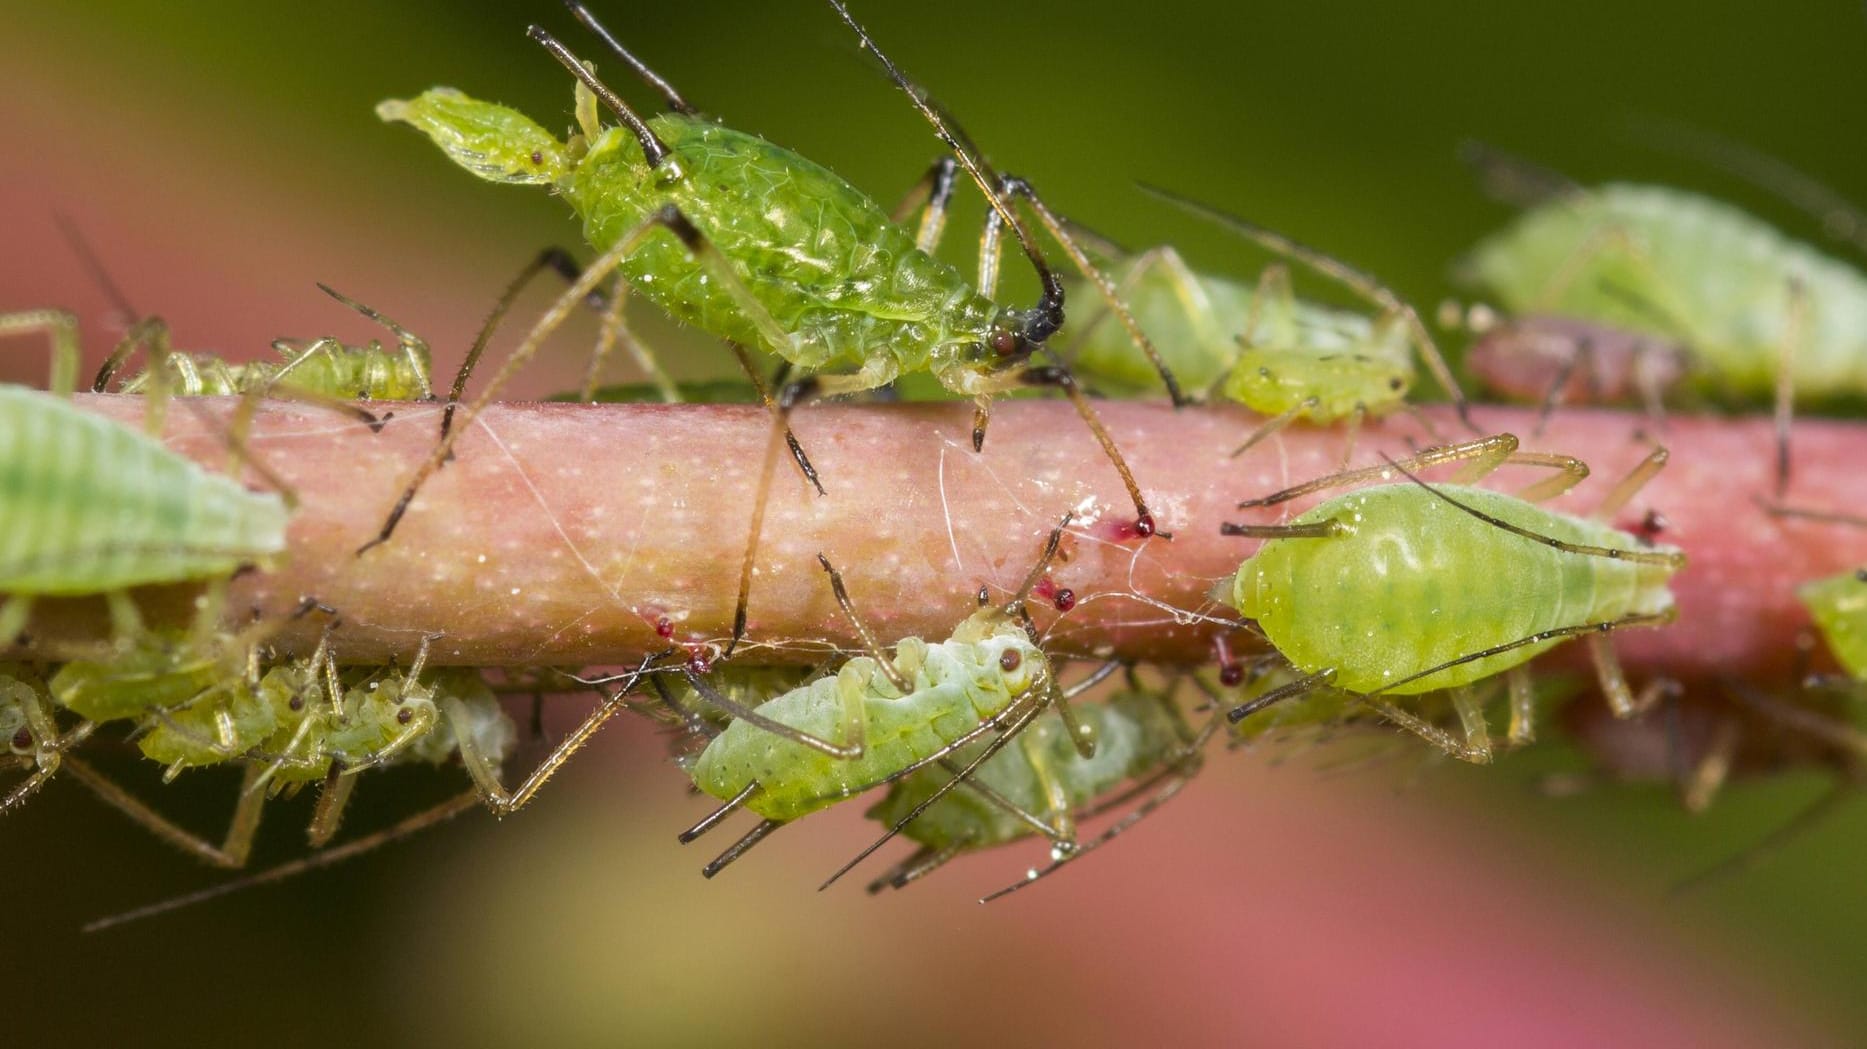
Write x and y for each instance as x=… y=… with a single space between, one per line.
x=223 y=156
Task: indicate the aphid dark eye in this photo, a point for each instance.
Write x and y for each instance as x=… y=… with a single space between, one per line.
x=1011 y=660
x=664 y=627
x=537 y=157
x=985 y=597
x=1006 y=343
x=1232 y=676
x=296 y=703
x=22 y=740
x=404 y=716
x=1065 y=599
x=1396 y=384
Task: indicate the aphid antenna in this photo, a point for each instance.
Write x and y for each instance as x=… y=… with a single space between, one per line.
x=1803 y=821
x=329 y=857
x=1014 y=606
x=94 y=266
x=1776 y=509
x=1359 y=281
x=1840 y=218
x=653 y=149
x=883 y=661
x=636 y=65
x=1674 y=560
x=1010 y=732
x=1510 y=178
x=999 y=191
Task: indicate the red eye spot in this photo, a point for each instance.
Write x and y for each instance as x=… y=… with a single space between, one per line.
x=22 y=740
x=698 y=662
x=664 y=628
x=1231 y=676
x=537 y=157
x=1120 y=532
x=1010 y=661
x=1065 y=599
x=404 y=716
x=296 y=703
x=1005 y=343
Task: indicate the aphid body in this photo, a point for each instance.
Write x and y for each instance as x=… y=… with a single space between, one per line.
x=1734 y=292
x=1412 y=582
x=1838 y=604
x=956 y=686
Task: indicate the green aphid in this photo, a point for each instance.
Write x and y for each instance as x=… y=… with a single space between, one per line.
x=1742 y=299
x=1402 y=589
x=1042 y=784
x=771 y=251
x=322 y=368
x=878 y=717
x=1282 y=357
x=1838 y=604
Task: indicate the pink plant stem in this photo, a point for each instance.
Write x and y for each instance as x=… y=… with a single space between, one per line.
x=583 y=534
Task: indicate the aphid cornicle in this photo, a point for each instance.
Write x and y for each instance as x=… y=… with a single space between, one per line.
x=879 y=717
x=1283 y=358
x=1399 y=589
x=764 y=248
x=1041 y=784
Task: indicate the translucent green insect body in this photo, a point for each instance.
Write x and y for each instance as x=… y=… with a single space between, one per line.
x=324 y=367
x=955 y=686
x=1256 y=345
x=1742 y=298
x=1039 y=783
x=1402 y=589
x=770 y=251
x=1838 y=604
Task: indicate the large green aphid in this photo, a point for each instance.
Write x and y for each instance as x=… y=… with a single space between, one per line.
x=878 y=718
x=1262 y=347
x=1401 y=589
x=766 y=249
x=1041 y=784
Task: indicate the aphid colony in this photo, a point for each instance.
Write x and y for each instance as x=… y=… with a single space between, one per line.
x=1387 y=596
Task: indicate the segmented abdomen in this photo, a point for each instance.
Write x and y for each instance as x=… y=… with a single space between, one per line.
x=1416 y=582
x=88 y=505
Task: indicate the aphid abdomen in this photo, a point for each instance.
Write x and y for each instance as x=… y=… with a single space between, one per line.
x=827 y=263
x=88 y=505
x=1415 y=582
x=1192 y=320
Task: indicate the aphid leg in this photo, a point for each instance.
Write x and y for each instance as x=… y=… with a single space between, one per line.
x=931 y=197
x=333 y=799
x=553 y=259
x=234 y=848
x=61 y=329
x=1522 y=728
x=152 y=333
x=327 y=858
x=852 y=726
x=1361 y=283
x=1622 y=699
x=1512 y=179
x=1576 y=354
x=1795 y=330
x=883 y=661
x=1011 y=726
x=1481 y=457
x=668 y=218
x=615 y=331
x=41 y=727
x=712 y=819
x=1709 y=775
x=486 y=777
x=1809 y=817
x=1013 y=188
x=756 y=529
x=919 y=864
x=741 y=847
x=1627 y=487
x=1475 y=747
x=414 y=348
x=1172 y=780
x=1195 y=303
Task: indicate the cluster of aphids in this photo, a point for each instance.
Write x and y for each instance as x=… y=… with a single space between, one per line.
x=1361 y=611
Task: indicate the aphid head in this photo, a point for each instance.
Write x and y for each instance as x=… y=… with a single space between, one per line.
x=1018 y=663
